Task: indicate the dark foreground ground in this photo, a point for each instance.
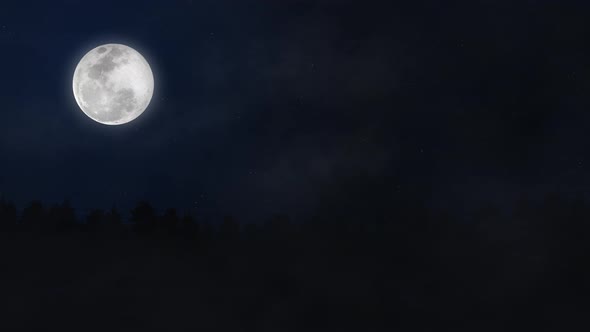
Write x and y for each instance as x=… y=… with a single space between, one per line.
x=527 y=271
x=74 y=282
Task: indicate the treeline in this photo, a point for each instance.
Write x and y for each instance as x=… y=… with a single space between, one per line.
x=401 y=266
x=36 y=217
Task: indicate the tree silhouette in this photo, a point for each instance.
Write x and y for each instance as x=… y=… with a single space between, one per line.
x=144 y=217
x=112 y=221
x=8 y=216
x=33 y=217
x=62 y=217
x=95 y=220
x=169 y=223
x=419 y=262
x=189 y=229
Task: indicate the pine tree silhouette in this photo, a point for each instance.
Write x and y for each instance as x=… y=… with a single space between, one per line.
x=144 y=217
x=8 y=216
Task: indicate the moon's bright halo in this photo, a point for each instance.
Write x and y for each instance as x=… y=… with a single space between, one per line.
x=113 y=84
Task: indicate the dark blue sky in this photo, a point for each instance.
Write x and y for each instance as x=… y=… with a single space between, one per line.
x=263 y=107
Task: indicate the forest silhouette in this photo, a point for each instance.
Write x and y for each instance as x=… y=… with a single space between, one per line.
x=377 y=267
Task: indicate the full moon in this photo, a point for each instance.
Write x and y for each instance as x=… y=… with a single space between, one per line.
x=113 y=84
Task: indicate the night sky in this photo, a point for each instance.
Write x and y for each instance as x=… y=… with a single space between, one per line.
x=264 y=107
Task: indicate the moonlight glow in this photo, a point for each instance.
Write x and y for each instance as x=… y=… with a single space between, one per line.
x=113 y=84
